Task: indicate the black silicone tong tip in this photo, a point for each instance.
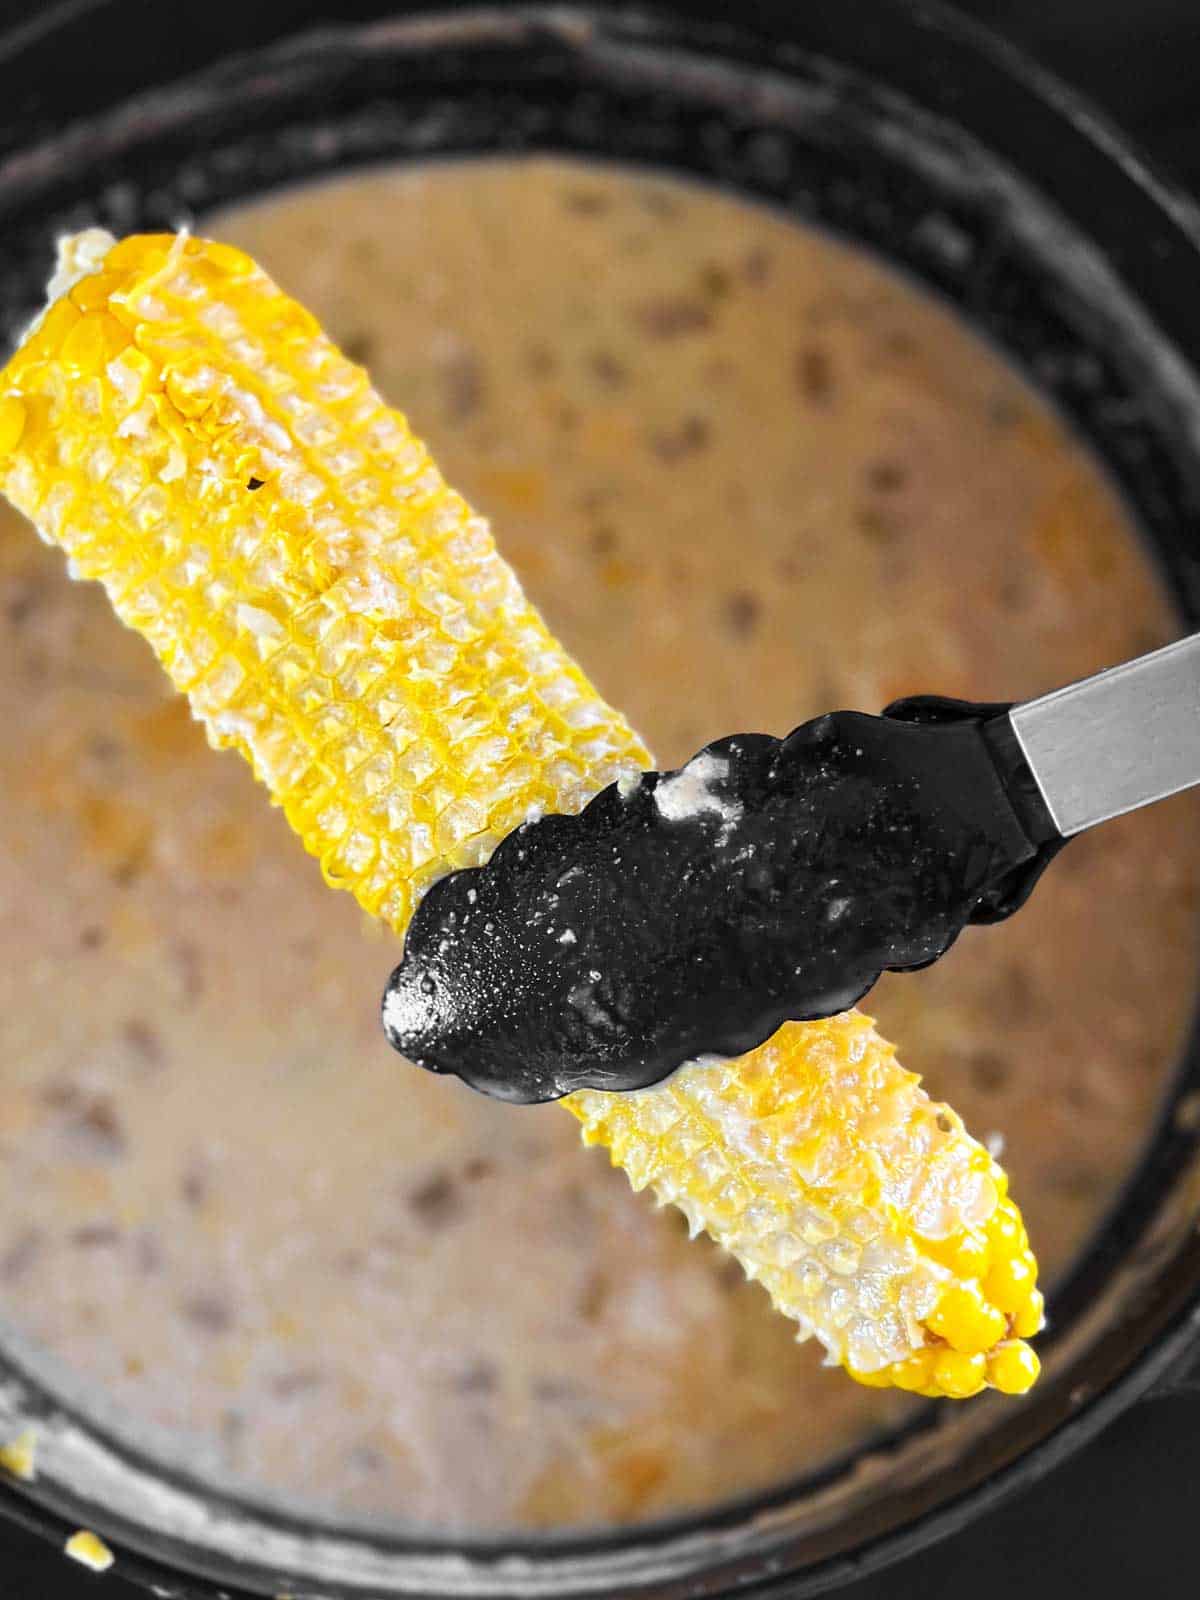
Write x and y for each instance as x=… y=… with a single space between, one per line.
x=691 y=913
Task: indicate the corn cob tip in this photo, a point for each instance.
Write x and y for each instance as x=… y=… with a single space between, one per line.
x=894 y=1241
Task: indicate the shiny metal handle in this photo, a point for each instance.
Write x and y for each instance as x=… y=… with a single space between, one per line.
x=1120 y=740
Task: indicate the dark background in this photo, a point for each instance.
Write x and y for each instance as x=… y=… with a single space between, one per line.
x=1119 y=1518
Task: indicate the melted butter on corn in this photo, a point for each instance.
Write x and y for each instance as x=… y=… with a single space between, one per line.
x=184 y=431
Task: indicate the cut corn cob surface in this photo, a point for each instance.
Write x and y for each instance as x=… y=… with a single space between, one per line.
x=184 y=431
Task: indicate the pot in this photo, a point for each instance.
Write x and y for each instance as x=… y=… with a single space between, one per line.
x=899 y=126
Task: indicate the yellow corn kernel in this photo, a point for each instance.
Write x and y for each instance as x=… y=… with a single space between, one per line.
x=881 y=1378
x=966 y=1254
x=1031 y=1316
x=966 y=1320
x=338 y=614
x=1005 y=1231
x=19 y=1457
x=92 y=341
x=89 y=1550
x=1011 y=1280
x=1013 y=1367
x=12 y=422
x=958 y=1375
x=915 y=1372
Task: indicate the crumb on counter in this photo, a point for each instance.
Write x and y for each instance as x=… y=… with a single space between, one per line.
x=89 y=1550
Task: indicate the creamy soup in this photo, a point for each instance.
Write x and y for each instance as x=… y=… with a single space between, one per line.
x=750 y=475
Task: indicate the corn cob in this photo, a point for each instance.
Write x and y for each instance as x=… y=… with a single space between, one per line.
x=336 y=612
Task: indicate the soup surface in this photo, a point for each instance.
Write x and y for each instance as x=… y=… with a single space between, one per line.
x=749 y=475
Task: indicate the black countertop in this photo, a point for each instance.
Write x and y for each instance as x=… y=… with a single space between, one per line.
x=1118 y=1517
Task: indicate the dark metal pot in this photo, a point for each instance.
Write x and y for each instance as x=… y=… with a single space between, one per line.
x=896 y=124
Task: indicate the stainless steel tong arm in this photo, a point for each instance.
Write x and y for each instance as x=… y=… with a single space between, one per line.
x=1116 y=741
